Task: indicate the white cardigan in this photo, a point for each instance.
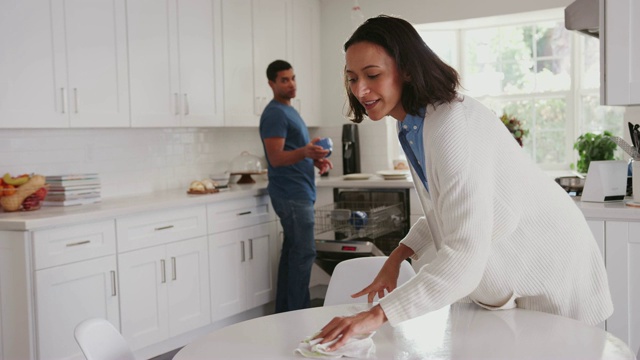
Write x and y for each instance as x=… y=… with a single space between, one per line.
x=498 y=231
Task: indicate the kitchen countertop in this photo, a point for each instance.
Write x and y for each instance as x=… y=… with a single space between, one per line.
x=374 y=181
x=120 y=206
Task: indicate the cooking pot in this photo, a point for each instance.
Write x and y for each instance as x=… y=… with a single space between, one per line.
x=571 y=183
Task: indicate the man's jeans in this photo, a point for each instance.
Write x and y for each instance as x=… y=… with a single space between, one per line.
x=298 y=253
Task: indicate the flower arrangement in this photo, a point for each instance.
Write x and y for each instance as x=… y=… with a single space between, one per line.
x=515 y=127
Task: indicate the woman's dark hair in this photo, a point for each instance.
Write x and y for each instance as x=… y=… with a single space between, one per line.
x=275 y=67
x=430 y=80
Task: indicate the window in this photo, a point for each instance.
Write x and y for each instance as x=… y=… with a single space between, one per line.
x=529 y=66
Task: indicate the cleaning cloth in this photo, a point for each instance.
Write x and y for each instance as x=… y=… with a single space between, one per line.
x=358 y=346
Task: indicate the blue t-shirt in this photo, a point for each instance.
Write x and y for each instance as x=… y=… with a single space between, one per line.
x=295 y=181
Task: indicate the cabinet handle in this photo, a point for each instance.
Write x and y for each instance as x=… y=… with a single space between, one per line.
x=250 y=249
x=75 y=98
x=186 y=105
x=244 y=213
x=163 y=272
x=174 y=273
x=242 y=248
x=175 y=101
x=113 y=283
x=63 y=96
x=163 y=228
x=78 y=243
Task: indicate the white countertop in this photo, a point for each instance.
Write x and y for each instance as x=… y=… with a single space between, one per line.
x=374 y=181
x=119 y=206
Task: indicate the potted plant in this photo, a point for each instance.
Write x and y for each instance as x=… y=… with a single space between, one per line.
x=515 y=127
x=591 y=147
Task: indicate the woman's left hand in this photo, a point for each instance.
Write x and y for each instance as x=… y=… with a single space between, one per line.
x=347 y=326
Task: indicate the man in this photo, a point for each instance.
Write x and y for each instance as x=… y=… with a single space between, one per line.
x=291 y=158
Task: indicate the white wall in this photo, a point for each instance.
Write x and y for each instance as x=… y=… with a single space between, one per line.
x=336 y=28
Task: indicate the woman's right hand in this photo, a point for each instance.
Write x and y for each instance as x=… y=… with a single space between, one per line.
x=387 y=279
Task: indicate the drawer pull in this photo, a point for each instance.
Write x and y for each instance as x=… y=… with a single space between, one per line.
x=174 y=273
x=244 y=213
x=78 y=243
x=113 y=283
x=250 y=249
x=242 y=248
x=163 y=227
x=163 y=272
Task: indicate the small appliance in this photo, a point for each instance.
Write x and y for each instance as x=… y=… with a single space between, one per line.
x=350 y=149
x=606 y=181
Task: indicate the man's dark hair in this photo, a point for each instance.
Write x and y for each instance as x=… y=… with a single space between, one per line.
x=275 y=67
x=430 y=80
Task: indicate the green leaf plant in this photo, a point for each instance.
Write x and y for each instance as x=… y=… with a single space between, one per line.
x=592 y=147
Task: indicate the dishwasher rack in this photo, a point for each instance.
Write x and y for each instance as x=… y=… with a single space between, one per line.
x=350 y=220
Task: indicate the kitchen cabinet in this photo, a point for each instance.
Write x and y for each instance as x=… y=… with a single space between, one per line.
x=164 y=291
x=164 y=274
x=63 y=64
x=272 y=29
x=175 y=56
x=306 y=60
x=619 y=52
x=75 y=279
x=244 y=257
x=623 y=270
x=264 y=36
x=69 y=294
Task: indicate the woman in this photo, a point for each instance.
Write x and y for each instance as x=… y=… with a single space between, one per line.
x=497 y=231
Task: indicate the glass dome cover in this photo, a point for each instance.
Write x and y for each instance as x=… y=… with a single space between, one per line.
x=246 y=165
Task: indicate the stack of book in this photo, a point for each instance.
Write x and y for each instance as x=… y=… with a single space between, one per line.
x=73 y=189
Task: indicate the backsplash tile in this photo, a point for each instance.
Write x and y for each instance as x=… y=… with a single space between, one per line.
x=135 y=161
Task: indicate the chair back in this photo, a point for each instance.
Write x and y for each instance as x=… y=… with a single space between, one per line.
x=100 y=340
x=351 y=276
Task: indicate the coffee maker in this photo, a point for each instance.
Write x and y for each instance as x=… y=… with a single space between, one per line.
x=350 y=149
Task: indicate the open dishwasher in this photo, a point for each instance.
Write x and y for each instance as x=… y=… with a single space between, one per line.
x=360 y=222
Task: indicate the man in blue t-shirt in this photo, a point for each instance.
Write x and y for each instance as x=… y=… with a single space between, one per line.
x=291 y=158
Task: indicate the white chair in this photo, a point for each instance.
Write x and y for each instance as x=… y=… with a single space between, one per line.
x=99 y=340
x=351 y=276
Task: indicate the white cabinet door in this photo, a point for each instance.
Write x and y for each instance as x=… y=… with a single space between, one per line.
x=63 y=64
x=188 y=279
x=175 y=62
x=306 y=60
x=623 y=271
x=241 y=269
x=69 y=294
x=265 y=36
x=227 y=257
x=92 y=34
x=619 y=52
x=165 y=291
x=143 y=295
x=30 y=94
x=260 y=280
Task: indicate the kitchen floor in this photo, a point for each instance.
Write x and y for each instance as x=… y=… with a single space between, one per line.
x=171 y=354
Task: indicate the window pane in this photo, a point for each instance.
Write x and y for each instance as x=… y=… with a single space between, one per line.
x=443 y=43
x=597 y=118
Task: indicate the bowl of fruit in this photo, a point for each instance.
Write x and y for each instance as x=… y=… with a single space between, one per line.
x=22 y=193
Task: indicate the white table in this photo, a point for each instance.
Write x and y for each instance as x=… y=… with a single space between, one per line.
x=461 y=331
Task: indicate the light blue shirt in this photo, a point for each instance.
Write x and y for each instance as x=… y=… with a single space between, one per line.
x=410 y=136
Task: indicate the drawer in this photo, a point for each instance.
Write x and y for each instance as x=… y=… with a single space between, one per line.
x=69 y=244
x=235 y=214
x=160 y=227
